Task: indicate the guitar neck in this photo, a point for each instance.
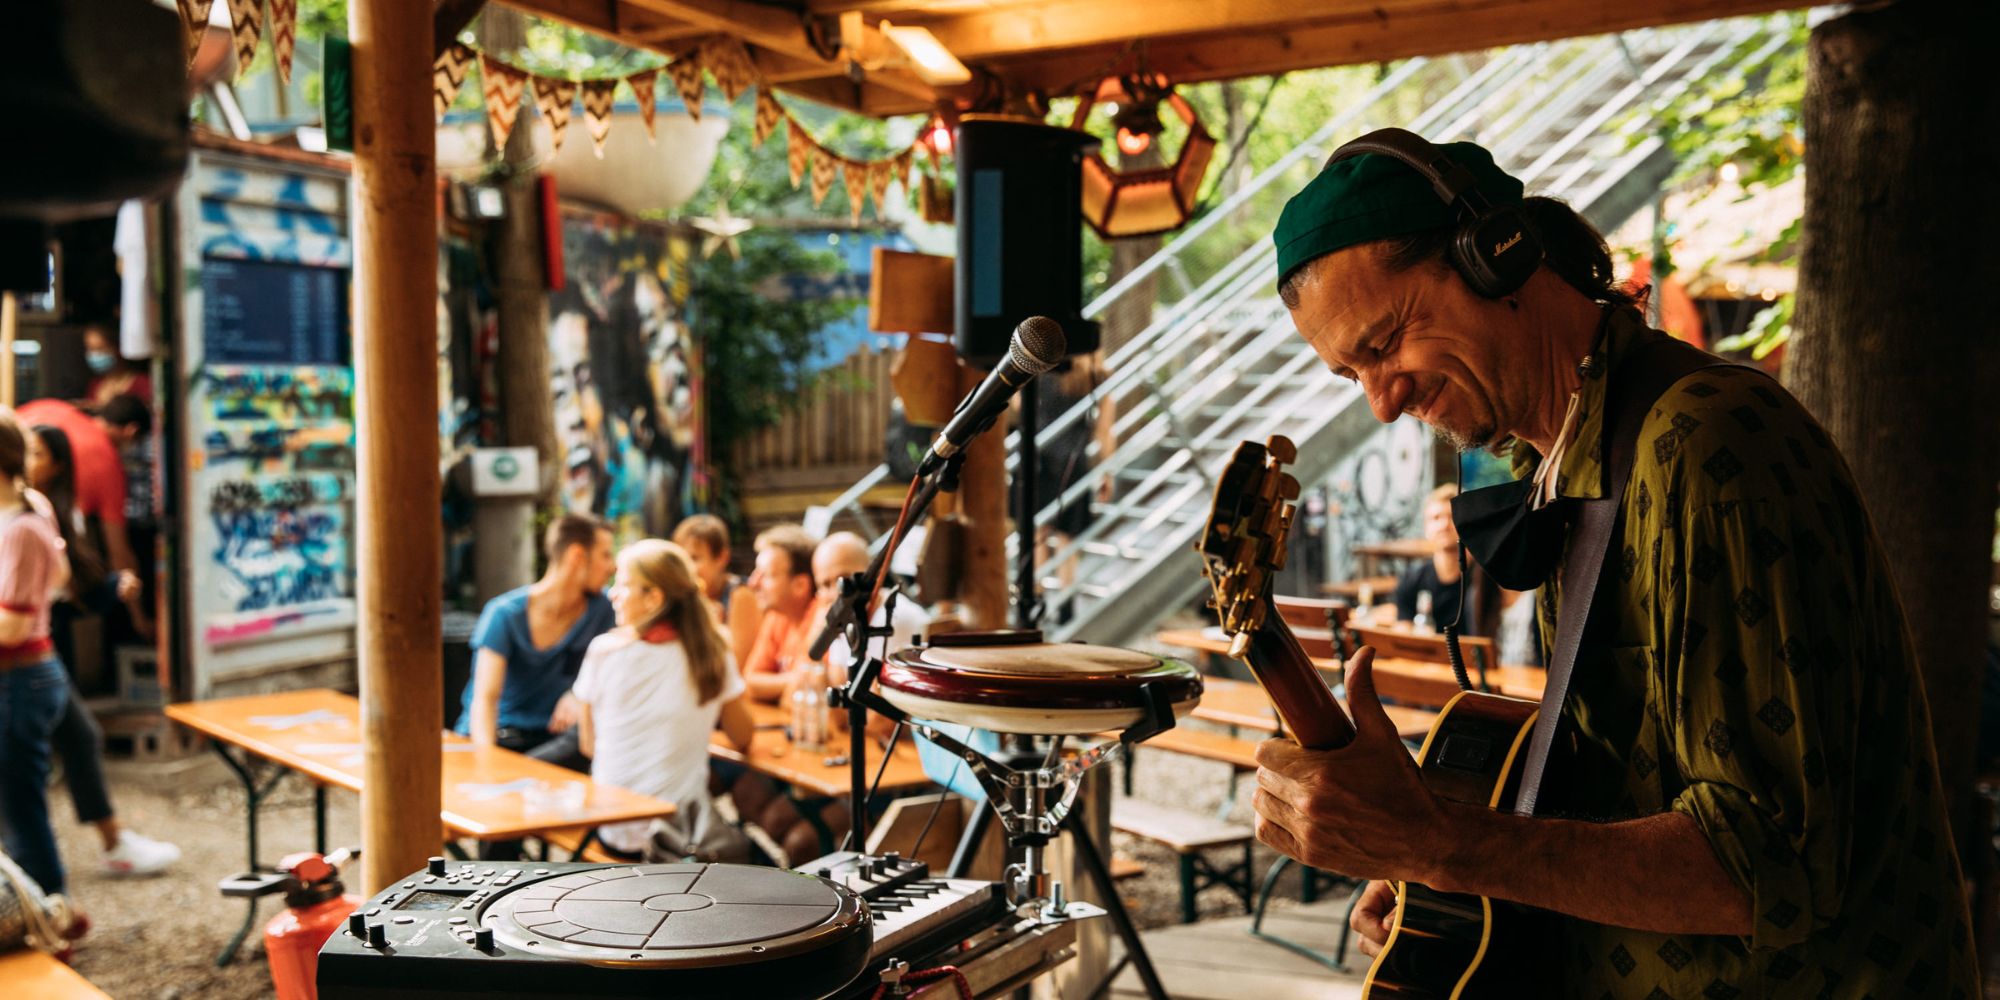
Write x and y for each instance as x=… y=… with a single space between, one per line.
x=1296 y=688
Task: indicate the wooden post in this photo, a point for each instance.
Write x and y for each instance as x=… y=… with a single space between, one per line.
x=982 y=495
x=395 y=360
x=9 y=315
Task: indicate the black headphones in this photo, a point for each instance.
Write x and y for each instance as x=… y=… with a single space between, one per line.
x=1493 y=249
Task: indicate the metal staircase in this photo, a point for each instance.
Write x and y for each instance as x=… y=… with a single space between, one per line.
x=1221 y=363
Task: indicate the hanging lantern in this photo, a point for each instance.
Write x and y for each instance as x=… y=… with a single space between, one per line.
x=1149 y=200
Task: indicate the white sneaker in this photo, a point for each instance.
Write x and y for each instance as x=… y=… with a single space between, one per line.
x=138 y=854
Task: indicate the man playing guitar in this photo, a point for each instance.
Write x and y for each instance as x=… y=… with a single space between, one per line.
x=1744 y=799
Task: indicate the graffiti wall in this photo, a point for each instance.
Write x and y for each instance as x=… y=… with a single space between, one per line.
x=625 y=375
x=266 y=420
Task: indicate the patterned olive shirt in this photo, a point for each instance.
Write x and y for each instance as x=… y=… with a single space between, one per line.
x=1759 y=679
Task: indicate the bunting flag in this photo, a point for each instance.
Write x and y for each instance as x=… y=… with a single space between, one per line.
x=448 y=75
x=686 y=72
x=878 y=182
x=194 y=20
x=798 y=150
x=857 y=187
x=729 y=64
x=554 y=99
x=246 y=22
x=769 y=114
x=901 y=165
x=502 y=86
x=284 y=21
x=642 y=91
x=597 y=96
x=823 y=166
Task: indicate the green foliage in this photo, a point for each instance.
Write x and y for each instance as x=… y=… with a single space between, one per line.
x=1750 y=125
x=754 y=343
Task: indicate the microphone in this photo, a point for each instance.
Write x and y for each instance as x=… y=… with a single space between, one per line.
x=1038 y=346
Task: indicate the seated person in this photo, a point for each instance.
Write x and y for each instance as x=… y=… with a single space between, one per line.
x=783 y=584
x=1438 y=576
x=843 y=554
x=652 y=690
x=530 y=642
x=705 y=539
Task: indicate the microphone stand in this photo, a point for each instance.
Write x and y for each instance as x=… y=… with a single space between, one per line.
x=849 y=615
x=1027 y=595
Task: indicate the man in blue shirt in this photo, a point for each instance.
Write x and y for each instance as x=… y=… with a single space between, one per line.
x=530 y=642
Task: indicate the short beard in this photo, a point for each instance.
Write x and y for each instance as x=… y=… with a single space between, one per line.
x=1475 y=440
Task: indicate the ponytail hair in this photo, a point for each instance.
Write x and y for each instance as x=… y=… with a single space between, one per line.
x=665 y=567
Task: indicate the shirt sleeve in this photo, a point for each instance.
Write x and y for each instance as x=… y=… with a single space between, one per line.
x=491 y=632
x=24 y=567
x=590 y=674
x=1748 y=715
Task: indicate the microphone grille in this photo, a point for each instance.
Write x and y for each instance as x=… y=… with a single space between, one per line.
x=1038 y=345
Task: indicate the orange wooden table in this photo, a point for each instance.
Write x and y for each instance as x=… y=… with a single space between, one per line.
x=30 y=973
x=1245 y=705
x=772 y=754
x=488 y=793
x=1509 y=679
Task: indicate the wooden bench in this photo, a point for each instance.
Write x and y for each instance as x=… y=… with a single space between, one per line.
x=581 y=842
x=30 y=973
x=1123 y=868
x=1189 y=835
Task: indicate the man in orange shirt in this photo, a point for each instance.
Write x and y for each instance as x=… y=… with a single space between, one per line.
x=783 y=583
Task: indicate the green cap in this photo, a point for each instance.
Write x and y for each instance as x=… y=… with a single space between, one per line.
x=1371 y=197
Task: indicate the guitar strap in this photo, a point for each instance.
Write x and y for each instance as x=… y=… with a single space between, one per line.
x=1639 y=380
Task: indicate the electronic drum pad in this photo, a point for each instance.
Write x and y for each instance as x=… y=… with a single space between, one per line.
x=992 y=680
x=521 y=930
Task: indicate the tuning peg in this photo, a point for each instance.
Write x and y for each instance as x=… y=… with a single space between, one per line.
x=1288 y=487
x=1282 y=449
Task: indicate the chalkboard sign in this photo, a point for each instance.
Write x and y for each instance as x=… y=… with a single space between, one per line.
x=258 y=312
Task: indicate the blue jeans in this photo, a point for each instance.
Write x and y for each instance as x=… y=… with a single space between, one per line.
x=31 y=703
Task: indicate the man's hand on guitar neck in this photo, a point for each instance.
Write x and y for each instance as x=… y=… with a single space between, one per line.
x=1362 y=808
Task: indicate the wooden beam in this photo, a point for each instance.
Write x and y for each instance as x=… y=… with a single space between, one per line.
x=1068 y=24
x=399 y=539
x=451 y=18
x=1377 y=36
x=610 y=18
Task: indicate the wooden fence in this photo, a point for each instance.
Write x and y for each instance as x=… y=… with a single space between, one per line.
x=832 y=439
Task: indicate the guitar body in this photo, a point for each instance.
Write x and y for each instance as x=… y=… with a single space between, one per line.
x=1441 y=945
x=1448 y=945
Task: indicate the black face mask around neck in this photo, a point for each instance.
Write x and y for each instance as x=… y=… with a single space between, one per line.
x=1516 y=544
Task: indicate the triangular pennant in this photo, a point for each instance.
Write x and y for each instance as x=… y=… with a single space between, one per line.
x=597 y=111
x=857 y=185
x=798 y=150
x=284 y=20
x=687 y=79
x=823 y=166
x=502 y=85
x=448 y=75
x=642 y=91
x=769 y=114
x=729 y=64
x=901 y=166
x=554 y=99
x=878 y=182
x=194 y=21
x=246 y=22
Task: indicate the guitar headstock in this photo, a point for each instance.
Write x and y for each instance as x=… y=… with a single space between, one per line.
x=1243 y=544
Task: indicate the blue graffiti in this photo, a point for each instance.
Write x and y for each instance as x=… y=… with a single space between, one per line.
x=281 y=556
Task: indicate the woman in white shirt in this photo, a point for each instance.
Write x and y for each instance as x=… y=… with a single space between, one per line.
x=654 y=688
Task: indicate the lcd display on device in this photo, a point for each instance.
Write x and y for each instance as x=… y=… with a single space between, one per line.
x=431 y=901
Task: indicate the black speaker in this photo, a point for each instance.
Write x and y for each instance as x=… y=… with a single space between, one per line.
x=1020 y=234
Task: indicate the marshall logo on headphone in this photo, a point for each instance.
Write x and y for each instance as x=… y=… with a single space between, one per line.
x=1508 y=244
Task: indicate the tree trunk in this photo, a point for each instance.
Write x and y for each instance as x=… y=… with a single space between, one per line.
x=520 y=288
x=1893 y=346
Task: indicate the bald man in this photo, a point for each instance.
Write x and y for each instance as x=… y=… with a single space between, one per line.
x=843 y=554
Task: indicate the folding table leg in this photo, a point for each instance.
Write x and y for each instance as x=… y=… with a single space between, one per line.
x=254 y=794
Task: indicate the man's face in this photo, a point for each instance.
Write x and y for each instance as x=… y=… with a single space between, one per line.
x=709 y=565
x=1438 y=527
x=602 y=563
x=831 y=564
x=1419 y=342
x=776 y=586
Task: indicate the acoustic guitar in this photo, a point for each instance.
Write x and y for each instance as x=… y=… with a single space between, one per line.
x=1444 y=945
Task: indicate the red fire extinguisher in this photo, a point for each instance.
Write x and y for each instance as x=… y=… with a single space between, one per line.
x=316 y=904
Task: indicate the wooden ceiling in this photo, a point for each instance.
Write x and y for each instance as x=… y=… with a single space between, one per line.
x=1056 y=47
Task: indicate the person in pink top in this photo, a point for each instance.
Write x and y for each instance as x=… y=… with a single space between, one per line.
x=33 y=687
x=100 y=473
